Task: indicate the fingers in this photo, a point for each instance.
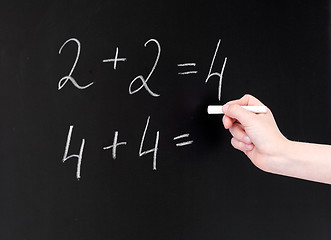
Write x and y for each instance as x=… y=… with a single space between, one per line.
x=244 y=147
x=228 y=122
x=236 y=113
x=247 y=100
x=240 y=121
x=233 y=112
x=240 y=139
x=239 y=134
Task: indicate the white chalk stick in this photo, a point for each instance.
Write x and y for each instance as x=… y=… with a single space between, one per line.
x=217 y=109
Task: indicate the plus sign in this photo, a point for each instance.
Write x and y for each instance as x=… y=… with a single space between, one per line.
x=115 y=145
x=115 y=60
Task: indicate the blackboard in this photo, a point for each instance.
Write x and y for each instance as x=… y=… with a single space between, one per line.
x=153 y=163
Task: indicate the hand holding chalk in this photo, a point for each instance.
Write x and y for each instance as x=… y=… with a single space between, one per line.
x=256 y=135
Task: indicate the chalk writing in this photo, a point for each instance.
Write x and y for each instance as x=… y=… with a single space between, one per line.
x=219 y=75
x=142 y=79
x=78 y=156
x=65 y=79
x=187 y=65
x=115 y=145
x=142 y=153
x=183 y=143
x=181 y=140
x=134 y=86
x=115 y=60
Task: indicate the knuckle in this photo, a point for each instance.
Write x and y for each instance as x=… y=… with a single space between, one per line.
x=229 y=108
x=238 y=133
x=232 y=109
x=237 y=144
x=247 y=96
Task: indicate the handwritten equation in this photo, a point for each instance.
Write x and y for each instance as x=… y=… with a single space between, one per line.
x=180 y=141
x=142 y=83
x=143 y=80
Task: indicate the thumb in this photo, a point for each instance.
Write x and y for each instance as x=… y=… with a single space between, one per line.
x=242 y=115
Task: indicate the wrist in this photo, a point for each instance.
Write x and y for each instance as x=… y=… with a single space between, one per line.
x=280 y=161
x=292 y=160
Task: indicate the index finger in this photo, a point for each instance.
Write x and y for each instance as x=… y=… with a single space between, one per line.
x=246 y=100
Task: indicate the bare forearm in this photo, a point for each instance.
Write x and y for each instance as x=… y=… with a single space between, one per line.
x=306 y=161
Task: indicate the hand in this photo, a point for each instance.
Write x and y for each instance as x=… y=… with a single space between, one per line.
x=257 y=135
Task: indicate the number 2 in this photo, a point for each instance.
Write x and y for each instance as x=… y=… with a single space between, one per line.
x=65 y=79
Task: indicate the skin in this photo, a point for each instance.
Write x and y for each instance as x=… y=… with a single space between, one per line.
x=258 y=136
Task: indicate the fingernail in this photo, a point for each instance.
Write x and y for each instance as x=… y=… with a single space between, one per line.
x=249 y=147
x=247 y=140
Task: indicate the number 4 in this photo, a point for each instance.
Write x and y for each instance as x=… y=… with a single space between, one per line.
x=78 y=156
x=141 y=152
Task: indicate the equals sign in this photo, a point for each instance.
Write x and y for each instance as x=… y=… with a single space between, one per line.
x=181 y=144
x=187 y=65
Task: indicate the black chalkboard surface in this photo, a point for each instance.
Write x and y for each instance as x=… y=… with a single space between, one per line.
x=104 y=130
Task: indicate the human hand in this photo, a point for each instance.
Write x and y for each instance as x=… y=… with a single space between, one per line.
x=257 y=135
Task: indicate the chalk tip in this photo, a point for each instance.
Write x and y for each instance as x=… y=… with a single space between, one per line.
x=215 y=109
